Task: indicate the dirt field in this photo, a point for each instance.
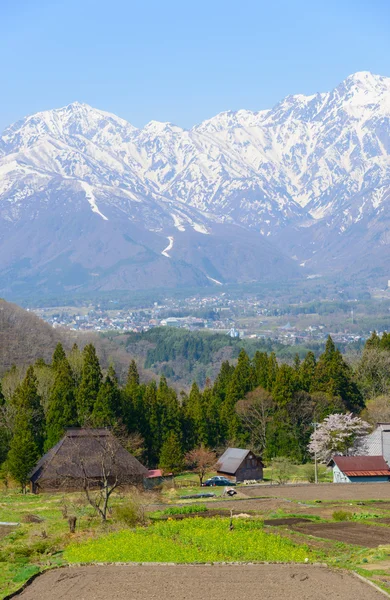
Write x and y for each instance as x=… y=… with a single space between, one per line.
x=323 y=491
x=274 y=582
x=369 y=536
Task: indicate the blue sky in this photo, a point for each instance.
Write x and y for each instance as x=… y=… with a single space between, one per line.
x=182 y=61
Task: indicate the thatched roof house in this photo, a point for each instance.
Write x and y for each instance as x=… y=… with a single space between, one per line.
x=86 y=457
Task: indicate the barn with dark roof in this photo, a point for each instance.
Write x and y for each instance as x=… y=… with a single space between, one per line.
x=86 y=456
x=359 y=469
x=240 y=464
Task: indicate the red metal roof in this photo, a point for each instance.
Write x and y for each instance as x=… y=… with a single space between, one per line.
x=367 y=473
x=154 y=473
x=362 y=465
x=157 y=473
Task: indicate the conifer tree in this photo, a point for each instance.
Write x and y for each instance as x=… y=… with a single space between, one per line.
x=5 y=434
x=261 y=366
x=150 y=423
x=223 y=379
x=240 y=383
x=307 y=371
x=171 y=456
x=285 y=386
x=195 y=411
x=27 y=400
x=107 y=401
x=24 y=452
x=62 y=409
x=58 y=356
x=335 y=377
x=373 y=341
x=131 y=407
x=273 y=368
x=88 y=389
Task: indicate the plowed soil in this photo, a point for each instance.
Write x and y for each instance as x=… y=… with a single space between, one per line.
x=369 y=536
x=179 y=582
x=323 y=491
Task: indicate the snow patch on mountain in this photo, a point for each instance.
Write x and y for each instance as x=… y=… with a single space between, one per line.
x=91 y=199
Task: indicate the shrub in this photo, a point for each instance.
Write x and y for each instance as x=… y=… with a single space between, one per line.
x=309 y=472
x=282 y=469
x=185 y=510
x=342 y=515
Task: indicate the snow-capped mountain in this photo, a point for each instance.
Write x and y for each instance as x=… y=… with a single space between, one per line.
x=86 y=199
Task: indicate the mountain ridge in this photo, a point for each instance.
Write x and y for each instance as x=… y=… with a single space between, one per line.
x=302 y=176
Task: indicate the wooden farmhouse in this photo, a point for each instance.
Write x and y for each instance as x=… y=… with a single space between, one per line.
x=240 y=464
x=86 y=457
x=378 y=442
x=359 y=469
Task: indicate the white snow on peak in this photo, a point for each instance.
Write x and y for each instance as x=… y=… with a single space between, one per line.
x=303 y=161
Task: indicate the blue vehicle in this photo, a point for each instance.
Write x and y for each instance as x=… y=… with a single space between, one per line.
x=218 y=480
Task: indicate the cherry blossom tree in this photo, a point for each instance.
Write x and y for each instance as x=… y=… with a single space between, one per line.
x=341 y=434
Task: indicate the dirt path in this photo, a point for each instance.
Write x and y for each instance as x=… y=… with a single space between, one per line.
x=179 y=582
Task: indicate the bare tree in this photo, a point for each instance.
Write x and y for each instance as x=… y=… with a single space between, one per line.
x=97 y=463
x=255 y=412
x=201 y=460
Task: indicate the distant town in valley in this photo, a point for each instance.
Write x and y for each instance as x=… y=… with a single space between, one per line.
x=347 y=320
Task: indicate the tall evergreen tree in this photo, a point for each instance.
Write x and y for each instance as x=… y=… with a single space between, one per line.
x=131 y=407
x=107 y=401
x=273 y=368
x=24 y=452
x=27 y=400
x=240 y=383
x=285 y=386
x=89 y=387
x=58 y=356
x=261 y=366
x=62 y=409
x=171 y=456
x=196 y=413
x=335 y=377
x=307 y=372
x=5 y=434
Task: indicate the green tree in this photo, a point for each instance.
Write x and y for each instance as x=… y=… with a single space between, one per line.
x=273 y=368
x=24 y=452
x=58 y=356
x=335 y=377
x=240 y=383
x=107 y=401
x=27 y=400
x=195 y=411
x=307 y=372
x=62 y=409
x=90 y=383
x=261 y=366
x=171 y=455
x=285 y=385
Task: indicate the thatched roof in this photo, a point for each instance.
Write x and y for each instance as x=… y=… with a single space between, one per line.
x=85 y=453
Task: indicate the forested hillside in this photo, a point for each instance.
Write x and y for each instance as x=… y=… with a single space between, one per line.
x=186 y=356
x=24 y=337
x=261 y=403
